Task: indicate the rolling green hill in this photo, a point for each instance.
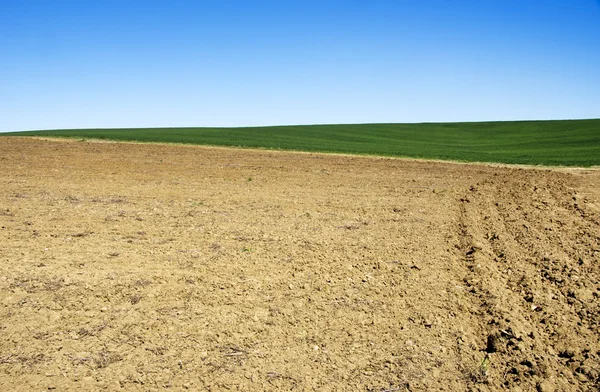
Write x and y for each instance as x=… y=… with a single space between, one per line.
x=560 y=142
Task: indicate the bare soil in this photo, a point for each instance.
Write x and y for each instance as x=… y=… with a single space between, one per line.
x=144 y=267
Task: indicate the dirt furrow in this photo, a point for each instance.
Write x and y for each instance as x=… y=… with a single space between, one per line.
x=535 y=278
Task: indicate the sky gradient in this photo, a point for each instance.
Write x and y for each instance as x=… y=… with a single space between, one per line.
x=111 y=63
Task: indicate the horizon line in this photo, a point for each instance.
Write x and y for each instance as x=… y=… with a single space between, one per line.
x=299 y=125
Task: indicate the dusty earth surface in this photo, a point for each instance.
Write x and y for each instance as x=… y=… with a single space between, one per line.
x=144 y=267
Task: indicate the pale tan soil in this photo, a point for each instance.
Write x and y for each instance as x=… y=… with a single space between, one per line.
x=142 y=267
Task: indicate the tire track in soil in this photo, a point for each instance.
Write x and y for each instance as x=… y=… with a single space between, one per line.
x=530 y=243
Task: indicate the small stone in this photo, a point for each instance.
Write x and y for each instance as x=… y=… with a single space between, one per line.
x=581 y=377
x=476 y=245
x=545 y=386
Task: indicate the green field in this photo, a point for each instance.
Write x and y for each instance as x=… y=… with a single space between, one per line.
x=560 y=142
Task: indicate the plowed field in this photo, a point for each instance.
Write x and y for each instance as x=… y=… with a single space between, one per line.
x=143 y=267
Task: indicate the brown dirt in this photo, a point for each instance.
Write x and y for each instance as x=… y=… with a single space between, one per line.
x=141 y=267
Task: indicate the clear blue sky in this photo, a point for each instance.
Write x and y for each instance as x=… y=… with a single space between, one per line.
x=119 y=63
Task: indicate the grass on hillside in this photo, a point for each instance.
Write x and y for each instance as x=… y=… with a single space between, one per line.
x=561 y=142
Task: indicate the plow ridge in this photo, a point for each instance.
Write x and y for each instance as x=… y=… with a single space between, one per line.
x=533 y=273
